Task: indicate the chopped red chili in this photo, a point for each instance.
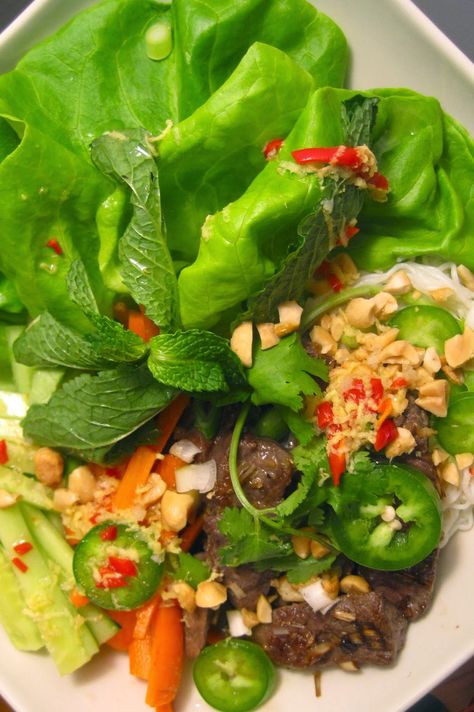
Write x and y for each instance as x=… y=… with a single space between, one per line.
x=337 y=465
x=22 y=548
x=351 y=230
x=54 y=245
x=378 y=181
x=324 y=415
x=126 y=567
x=376 y=389
x=335 y=283
x=335 y=155
x=3 y=452
x=356 y=392
x=109 y=533
x=399 y=383
x=386 y=434
x=110 y=578
x=20 y=565
x=272 y=147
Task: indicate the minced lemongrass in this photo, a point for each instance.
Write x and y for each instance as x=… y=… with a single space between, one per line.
x=158 y=39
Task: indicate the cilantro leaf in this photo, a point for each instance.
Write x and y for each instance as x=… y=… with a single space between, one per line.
x=195 y=360
x=185 y=567
x=298 y=424
x=146 y=265
x=283 y=374
x=304 y=569
x=249 y=540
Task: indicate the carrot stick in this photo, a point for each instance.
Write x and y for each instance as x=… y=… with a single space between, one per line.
x=191 y=533
x=166 y=656
x=168 y=419
x=142 y=326
x=144 y=616
x=123 y=638
x=167 y=467
x=165 y=708
x=135 y=475
x=139 y=654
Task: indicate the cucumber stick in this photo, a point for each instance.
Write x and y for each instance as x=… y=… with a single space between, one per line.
x=54 y=546
x=64 y=631
x=20 y=628
x=29 y=489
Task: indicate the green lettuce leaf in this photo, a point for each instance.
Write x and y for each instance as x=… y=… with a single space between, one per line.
x=90 y=413
x=429 y=160
x=283 y=374
x=209 y=159
x=195 y=361
x=246 y=243
x=145 y=262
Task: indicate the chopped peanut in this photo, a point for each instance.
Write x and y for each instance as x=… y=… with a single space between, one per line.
x=347 y=266
x=401 y=352
x=301 y=546
x=268 y=336
x=175 y=509
x=354 y=584
x=49 y=466
x=185 y=594
x=449 y=472
x=385 y=305
x=330 y=583
x=442 y=294
x=318 y=550
x=249 y=617
x=465 y=459
x=264 y=610
x=290 y=313
x=323 y=339
x=433 y=397
x=439 y=455
x=431 y=360
x=287 y=591
x=404 y=442
x=210 y=594
x=399 y=283
x=82 y=482
x=63 y=499
x=241 y=342
x=361 y=312
x=466 y=277
x=460 y=348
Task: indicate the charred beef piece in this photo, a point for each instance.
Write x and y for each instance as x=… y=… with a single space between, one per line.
x=265 y=471
x=362 y=628
x=196 y=627
x=410 y=590
x=416 y=420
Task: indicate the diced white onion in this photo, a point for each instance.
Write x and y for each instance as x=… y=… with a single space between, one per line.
x=200 y=477
x=237 y=627
x=315 y=596
x=185 y=450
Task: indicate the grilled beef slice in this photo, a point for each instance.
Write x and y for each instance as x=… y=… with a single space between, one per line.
x=196 y=627
x=416 y=420
x=410 y=590
x=265 y=471
x=361 y=628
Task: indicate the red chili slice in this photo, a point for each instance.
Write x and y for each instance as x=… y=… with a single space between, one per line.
x=351 y=230
x=3 y=452
x=379 y=181
x=324 y=415
x=272 y=147
x=386 y=434
x=110 y=578
x=335 y=155
x=20 y=565
x=335 y=283
x=54 y=245
x=22 y=548
x=399 y=383
x=109 y=533
x=356 y=392
x=376 y=389
x=337 y=465
x=126 y=567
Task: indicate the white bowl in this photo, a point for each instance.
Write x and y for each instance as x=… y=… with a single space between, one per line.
x=393 y=44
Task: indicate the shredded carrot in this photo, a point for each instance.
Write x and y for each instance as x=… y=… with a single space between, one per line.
x=165 y=708
x=166 y=656
x=141 y=325
x=136 y=474
x=139 y=654
x=191 y=533
x=124 y=637
x=77 y=599
x=144 y=616
x=385 y=409
x=168 y=419
x=167 y=467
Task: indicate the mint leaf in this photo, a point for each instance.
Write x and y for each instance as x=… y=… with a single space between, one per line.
x=249 y=540
x=79 y=288
x=146 y=265
x=185 y=567
x=90 y=413
x=46 y=342
x=195 y=360
x=283 y=374
x=358 y=117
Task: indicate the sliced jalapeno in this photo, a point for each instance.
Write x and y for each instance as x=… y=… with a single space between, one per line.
x=425 y=326
x=406 y=498
x=115 y=567
x=234 y=675
x=456 y=430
